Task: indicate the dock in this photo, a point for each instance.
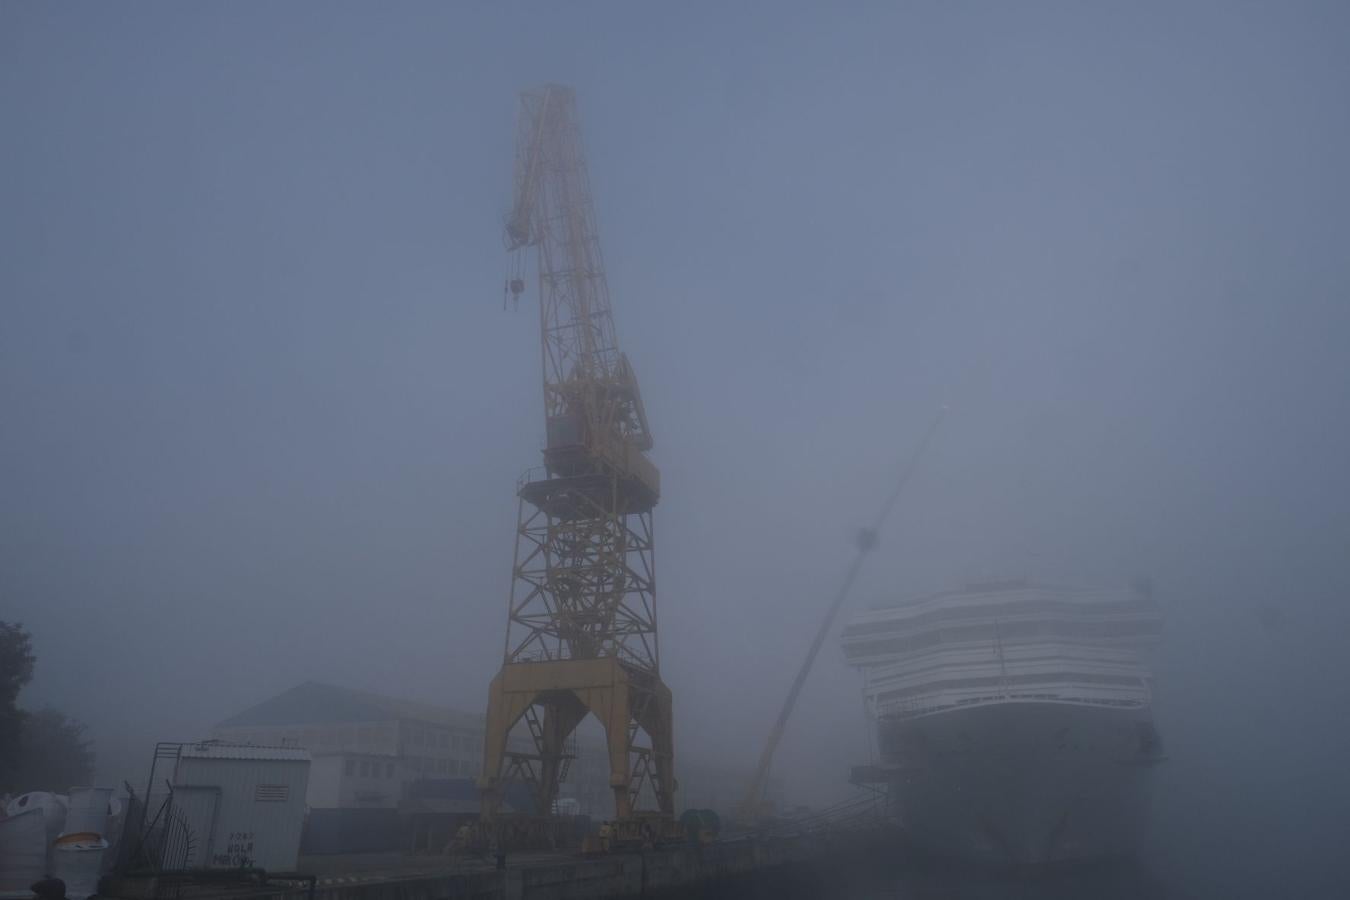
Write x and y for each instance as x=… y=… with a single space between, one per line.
x=776 y=864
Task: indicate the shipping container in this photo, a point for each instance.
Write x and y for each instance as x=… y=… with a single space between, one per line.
x=244 y=806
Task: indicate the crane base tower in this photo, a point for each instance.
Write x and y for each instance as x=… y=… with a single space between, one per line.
x=553 y=698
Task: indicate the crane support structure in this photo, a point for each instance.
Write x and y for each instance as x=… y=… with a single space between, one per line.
x=581 y=624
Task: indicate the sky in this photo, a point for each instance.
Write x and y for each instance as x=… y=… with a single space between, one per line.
x=264 y=411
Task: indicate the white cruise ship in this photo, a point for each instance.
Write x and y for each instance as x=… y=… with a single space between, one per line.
x=1014 y=720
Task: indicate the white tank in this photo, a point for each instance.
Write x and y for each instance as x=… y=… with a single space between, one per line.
x=88 y=810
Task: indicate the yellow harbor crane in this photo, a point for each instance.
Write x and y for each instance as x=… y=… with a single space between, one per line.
x=581 y=625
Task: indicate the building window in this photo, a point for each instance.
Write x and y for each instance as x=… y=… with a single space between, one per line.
x=388 y=770
x=454 y=767
x=365 y=768
x=443 y=740
x=350 y=768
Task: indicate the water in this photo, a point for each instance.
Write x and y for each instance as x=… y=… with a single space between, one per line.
x=1117 y=881
x=908 y=879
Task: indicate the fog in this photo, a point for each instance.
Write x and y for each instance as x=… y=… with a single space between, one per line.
x=264 y=411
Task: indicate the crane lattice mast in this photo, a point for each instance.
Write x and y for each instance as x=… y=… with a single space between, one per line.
x=581 y=630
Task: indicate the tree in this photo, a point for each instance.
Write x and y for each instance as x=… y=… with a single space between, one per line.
x=16 y=670
x=41 y=751
x=54 y=754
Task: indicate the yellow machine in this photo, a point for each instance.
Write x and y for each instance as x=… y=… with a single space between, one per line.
x=581 y=622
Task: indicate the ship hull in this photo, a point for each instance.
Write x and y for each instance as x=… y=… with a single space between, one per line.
x=1023 y=783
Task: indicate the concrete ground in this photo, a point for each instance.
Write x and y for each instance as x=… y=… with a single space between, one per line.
x=358 y=867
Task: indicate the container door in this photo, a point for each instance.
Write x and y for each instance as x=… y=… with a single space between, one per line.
x=197 y=809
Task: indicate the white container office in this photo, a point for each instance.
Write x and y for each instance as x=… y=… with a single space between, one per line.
x=244 y=805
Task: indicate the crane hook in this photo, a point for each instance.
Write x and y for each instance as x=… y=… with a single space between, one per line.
x=513 y=287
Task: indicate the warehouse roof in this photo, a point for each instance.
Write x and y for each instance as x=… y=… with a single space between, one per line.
x=315 y=703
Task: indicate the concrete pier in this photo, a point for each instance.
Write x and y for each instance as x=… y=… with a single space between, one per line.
x=675 y=871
